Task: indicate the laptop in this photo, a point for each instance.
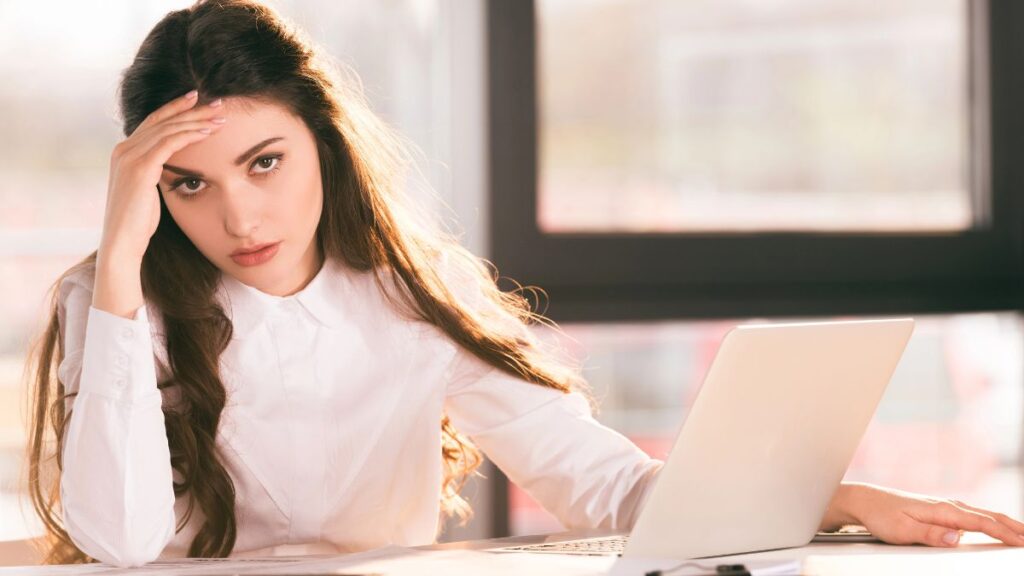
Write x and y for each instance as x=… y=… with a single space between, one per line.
x=774 y=427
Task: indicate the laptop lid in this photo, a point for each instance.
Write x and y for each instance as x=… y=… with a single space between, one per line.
x=769 y=437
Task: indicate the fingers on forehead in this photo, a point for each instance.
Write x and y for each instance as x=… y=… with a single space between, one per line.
x=179 y=104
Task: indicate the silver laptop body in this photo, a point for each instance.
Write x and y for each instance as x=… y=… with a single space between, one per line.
x=767 y=442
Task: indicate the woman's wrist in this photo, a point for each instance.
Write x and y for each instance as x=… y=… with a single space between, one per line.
x=842 y=510
x=118 y=285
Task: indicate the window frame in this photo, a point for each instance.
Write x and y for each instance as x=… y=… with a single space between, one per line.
x=628 y=277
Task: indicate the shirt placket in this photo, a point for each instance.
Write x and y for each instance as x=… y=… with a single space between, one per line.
x=305 y=461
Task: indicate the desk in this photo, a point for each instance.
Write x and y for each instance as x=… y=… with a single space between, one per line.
x=977 y=554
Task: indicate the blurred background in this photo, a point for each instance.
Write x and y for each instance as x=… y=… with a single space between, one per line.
x=665 y=170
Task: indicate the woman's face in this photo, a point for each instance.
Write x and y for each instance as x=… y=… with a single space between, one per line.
x=255 y=180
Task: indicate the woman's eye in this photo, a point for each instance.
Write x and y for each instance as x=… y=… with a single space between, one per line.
x=268 y=163
x=188 y=186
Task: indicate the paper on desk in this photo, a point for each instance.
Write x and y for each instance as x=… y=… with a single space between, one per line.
x=319 y=564
x=399 y=561
x=474 y=563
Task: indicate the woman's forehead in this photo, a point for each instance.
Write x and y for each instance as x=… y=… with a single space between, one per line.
x=249 y=123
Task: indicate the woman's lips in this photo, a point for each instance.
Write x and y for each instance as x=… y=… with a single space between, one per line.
x=255 y=258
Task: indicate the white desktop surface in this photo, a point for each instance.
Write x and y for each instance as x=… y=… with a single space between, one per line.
x=977 y=554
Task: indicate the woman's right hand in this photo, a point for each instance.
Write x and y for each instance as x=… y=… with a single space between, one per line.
x=133 y=204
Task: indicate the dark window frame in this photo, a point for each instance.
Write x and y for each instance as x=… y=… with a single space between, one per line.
x=623 y=277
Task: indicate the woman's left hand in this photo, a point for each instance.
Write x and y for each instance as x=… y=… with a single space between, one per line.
x=899 y=517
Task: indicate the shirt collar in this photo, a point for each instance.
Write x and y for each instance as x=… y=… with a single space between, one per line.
x=323 y=298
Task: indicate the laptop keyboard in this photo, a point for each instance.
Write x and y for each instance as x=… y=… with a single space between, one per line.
x=607 y=546
x=615 y=545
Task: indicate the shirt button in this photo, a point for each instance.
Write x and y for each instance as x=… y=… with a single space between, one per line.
x=120 y=382
x=122 y=359
x=127 y=333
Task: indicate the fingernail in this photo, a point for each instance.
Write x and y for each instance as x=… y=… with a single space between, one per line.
x=192 y=94
x=204 y=130
x=218 y=120
x=951 y=537
x=216 y=102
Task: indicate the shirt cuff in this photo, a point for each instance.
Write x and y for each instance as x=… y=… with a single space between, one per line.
x=117 y=360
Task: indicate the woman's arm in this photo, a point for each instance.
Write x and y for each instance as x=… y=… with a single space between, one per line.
x=116 y=482
x=546 y=441
x=899 y=517
x=116 y=485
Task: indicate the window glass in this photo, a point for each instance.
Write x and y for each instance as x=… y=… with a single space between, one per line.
x=753 y=115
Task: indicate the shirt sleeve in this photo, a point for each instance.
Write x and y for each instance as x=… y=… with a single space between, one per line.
x=549 y=444
x=116 y=483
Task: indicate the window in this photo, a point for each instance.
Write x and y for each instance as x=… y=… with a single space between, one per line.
x=665 y=116
x=665 y=188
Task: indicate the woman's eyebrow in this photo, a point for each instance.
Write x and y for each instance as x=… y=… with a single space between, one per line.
x=238 y=161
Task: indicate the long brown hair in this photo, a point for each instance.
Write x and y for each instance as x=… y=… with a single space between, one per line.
x=242 y=48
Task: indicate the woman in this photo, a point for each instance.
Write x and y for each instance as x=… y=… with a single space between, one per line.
x=274 y=352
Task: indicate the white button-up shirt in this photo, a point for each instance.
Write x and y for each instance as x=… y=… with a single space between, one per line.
x=331 y=431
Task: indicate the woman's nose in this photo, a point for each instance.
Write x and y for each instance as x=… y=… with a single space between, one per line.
x=241 y=213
